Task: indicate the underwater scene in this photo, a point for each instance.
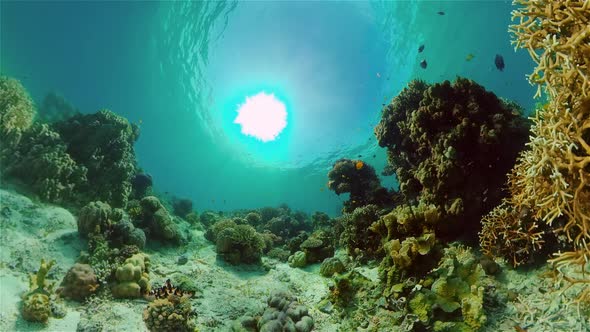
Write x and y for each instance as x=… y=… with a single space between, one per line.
x=295 y=166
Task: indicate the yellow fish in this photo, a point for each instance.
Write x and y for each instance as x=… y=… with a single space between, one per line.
x=359 y=165
x=469 y=57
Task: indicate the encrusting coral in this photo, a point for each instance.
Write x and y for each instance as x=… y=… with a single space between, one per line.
x=552 y=178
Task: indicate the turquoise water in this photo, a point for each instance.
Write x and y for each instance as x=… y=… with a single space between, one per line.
x=180 y=69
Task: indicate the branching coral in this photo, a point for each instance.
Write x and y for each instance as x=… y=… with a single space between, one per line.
x=552 y=177
x=510 y=235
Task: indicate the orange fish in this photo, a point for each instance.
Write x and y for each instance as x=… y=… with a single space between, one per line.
x=359 y=165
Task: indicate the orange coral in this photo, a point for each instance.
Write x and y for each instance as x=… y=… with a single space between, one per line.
x=552 y=177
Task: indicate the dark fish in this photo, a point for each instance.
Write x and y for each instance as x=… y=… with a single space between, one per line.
x=423 y=64
x=440 y=13
x=360 y=155
x=499 y=61
x=421 y=48
x=374 y=156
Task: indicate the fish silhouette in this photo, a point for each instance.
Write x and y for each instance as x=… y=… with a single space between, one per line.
x=499 y=61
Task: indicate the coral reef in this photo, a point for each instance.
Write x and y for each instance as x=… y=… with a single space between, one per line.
x=79 y=282
x=55 y=107
x=103 y=143
x=435 y=134
x=359 y=179
x=357 y=237
x=182 y=206
x=298 y=259
x=17 y=112
x=159 y=222
x=455 y=287
x=317 y=247
x=141 y=184
x=240 y=244
x=40 y=161
x=171 y=314
x=551 y=180
x=284 y=313
x=36 y=306
x=331 y=266
x=131 y=278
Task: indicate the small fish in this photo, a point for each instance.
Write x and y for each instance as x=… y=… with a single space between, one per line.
x=378 y=75
x=441 y=13
x=421 y=48
x=374 y=156
x=499 y=61
x=322 y=189
x=423 y=64
x=469 y=57
x=360 y=156
x=359 y=164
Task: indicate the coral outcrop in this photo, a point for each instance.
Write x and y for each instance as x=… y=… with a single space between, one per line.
x=36 y=306
x=79 y=282
x=17 y=112
x=159 y=222
x=103 y=143
x=359 y=240
x=436 y=134
x=360 y=180
x=132 y=278
x=171 y=314
x=41 y=162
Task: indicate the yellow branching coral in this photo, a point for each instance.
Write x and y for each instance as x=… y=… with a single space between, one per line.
x=552 y=177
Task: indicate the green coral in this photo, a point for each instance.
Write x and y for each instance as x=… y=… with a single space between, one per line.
x=131 y=278
x=172 y=314
x=298 y=259
x=95 y=217
x=457 y=291
x=240 y=244
x=357 y=236
x=331 y=266
x=17 y=112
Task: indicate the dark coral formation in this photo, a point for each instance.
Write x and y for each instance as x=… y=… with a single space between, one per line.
x=156 y=220
x=360 y=180
x=103 y=143
x=451 y=144
x=357 y=237
x=75 y=161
